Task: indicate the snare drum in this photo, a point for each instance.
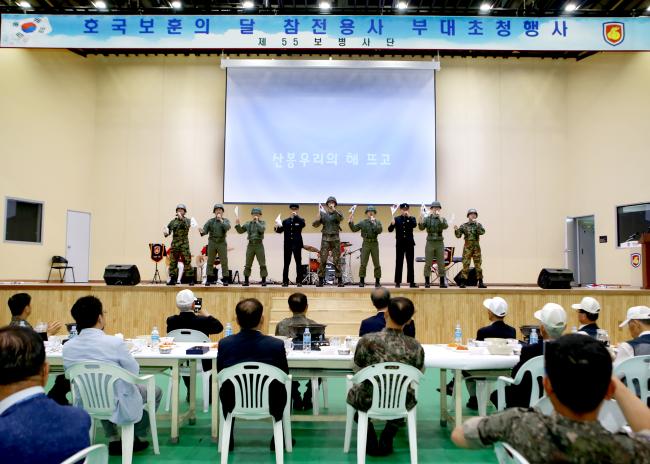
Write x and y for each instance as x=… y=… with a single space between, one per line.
x=313 y=264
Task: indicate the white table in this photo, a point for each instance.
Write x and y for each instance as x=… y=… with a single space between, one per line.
x=149 y=360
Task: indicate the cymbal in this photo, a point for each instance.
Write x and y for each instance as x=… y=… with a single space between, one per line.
x=310 y=248
x=346 y=244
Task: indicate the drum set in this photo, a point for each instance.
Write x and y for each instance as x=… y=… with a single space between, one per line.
x=310 y=271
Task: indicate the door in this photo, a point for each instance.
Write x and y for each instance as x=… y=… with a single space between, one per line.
x=570 y=247
x=78 y=245
x=585 y=230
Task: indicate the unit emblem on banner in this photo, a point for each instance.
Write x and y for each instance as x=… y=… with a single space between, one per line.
x=614 y=32
x=635 y=259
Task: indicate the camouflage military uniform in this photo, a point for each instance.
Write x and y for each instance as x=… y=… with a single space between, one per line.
x=472 y=249
x=555 y=438
x=255 y=246
x=435 y=248
x=217 y=244
x=389 y=345
x=180 y=246
x=370 y=246
x=330 y=241
x=285 y=329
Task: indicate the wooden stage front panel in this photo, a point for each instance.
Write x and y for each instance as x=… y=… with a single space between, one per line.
x=135 y=310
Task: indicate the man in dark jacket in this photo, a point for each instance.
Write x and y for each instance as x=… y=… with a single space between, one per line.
x=404 y=225
x=380 y=298
x=292 y=229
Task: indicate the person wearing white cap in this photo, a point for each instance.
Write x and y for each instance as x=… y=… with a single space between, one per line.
x=588 y=311
x=553 y=320
x=497 y=308
x=638 y=323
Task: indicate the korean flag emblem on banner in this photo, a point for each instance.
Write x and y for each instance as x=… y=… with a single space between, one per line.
x=614 y=32
x=29 y=27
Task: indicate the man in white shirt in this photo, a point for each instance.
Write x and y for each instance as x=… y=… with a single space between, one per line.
x=638 y=323
x=92 y=344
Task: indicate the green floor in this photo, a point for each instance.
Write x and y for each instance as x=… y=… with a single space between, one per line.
x=315 y=442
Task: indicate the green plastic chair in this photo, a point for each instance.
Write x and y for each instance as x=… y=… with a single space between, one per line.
x=634 y=373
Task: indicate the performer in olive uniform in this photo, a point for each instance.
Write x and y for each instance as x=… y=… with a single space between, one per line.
x=403 y=225
x=435 y=248
x=472 y=230
x=292 y=228
x=255 y=248
x=370 y=228
x=330 y=220
x=217 y=227
x=180 y=228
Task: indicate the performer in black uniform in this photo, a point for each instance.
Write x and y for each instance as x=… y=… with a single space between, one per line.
x=403 y=225
x=292 y=228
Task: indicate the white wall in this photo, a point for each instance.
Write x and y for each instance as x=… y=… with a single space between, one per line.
x=513 y=137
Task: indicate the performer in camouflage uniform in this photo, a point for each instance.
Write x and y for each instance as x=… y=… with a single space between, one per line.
x=330 y=220
x=472 y=230
x=435 y=248
x=370 y=228
x=255 y=248
x=389 y=345
x=217 y=227
x=180 y=228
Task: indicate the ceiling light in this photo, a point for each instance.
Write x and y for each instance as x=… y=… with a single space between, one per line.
x=402 y=5
x=24 y=5
x=100 y=5
x=248 y=4
x=177 y=5
x=570 y=7
x=648 y=9
x=325 y=5
x=485 y=7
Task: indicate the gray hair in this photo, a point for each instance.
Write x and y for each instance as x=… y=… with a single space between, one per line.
x=554 y=332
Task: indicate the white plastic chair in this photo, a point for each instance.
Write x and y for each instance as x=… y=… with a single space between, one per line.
x=506 y=454
x=190 y=335
x=94 y=382
x=610 y=415
x=251 y=381
x=390 y=382
x=635 y=372
x=94 y=454
x=535 y=367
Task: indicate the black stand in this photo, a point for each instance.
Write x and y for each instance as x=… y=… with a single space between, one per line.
x=156 y=276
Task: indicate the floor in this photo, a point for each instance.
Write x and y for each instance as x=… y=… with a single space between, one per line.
x=316 y=442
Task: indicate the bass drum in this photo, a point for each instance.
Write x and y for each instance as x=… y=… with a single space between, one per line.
x=330 y=274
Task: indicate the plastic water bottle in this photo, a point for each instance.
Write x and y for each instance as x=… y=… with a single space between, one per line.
x=73 y=332
x=306 y=340
x=458 y=333
x=228 y=331
x=533 y=337
x=155 y=337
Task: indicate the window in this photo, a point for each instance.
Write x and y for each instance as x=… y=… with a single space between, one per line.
x=23 y=221
x=632 y=221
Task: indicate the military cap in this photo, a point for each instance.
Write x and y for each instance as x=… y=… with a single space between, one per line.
x=257 y=211
x=404 y=206
x=371 y=208
x=181 y=206
x=294 y=206
x=332 y=199
x=472 y=211
x=435 y=204
x=218 y=206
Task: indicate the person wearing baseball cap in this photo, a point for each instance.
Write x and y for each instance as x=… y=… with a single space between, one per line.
x=553 y=320
x=638 y=323
x=588 y=311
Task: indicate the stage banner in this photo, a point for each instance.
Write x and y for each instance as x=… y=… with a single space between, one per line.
x=324 y=32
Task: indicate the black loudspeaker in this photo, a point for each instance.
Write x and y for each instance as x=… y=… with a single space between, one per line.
x=555 y=278
x=472 y=281
x=121 y=274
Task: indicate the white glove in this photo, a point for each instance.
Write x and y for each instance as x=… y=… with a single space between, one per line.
x=166 y=230
x=193 y=223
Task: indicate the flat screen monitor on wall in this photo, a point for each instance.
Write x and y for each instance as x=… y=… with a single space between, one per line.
x=300 y=134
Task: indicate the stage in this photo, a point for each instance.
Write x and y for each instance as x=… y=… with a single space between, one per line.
x=135 y=310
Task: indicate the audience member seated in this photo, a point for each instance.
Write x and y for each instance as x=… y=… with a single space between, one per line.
x=191 y=318
x=578 y=380
x=92 y=344
x=389 y=345
x=250 y=345
x=286 y=328
x=33 y=428
x=380 y=298
x=553 y=321
x=588 y=311
x=497 y=308
x=638 y=323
